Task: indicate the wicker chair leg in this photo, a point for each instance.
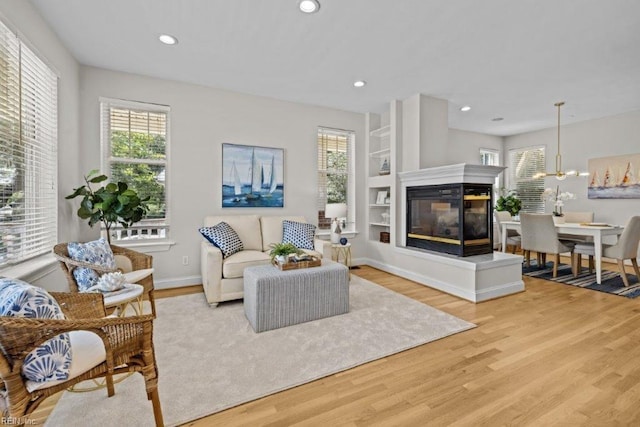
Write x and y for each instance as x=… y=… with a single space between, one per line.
x=157 y=410
x=110 y=389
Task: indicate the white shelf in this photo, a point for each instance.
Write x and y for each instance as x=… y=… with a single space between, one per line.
x=373 y=205
x=381 y=132
x=380 y=224
x=380 y=181
x=381 y=153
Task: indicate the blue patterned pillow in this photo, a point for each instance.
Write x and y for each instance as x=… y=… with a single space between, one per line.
x=300 y=234
x=97 y=252
x=51 y=360
x=223 y=237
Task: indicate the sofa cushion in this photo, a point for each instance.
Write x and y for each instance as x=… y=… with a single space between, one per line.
x=246 y=226
x=299 y=234
x=224 y=237
x=272 y=229
x=233 y=267
x=51 y=360
x=96 y=252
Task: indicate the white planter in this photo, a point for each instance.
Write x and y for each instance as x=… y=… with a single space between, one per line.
x=558 y=219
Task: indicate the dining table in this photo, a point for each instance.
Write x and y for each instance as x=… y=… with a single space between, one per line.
x=594 y=230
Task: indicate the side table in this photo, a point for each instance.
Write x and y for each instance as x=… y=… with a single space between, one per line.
x=344 y=252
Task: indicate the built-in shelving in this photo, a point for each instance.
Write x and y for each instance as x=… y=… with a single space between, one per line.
x=381 y=173
x=381 y=153
x=381 y=132
x=380 y=224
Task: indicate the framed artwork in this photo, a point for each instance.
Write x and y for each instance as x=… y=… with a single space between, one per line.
x=252 y=176
x=382 y=195
x=616 y=177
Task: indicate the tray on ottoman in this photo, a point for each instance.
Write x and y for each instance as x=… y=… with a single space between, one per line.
x=292 y=265
x=274 y=298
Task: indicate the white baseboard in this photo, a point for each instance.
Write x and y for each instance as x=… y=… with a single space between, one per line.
x=177 y=282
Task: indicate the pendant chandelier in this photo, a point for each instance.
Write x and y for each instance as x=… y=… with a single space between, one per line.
x=559 y=173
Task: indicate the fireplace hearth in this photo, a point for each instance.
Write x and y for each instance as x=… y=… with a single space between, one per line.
x=451 y=218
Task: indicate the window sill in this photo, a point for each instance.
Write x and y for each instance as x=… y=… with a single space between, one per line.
x=32 y=269
x=146 y=246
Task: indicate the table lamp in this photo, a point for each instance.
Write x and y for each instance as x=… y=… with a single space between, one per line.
x=335 y=211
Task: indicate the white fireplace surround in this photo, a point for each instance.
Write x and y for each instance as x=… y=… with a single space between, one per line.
x=475 y=278
x=461 y=173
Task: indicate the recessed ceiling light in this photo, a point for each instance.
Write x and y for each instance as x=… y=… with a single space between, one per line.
x=167 y=39
x=465 y=108
x=359 y=83
x=497 y=119
x=309 y=6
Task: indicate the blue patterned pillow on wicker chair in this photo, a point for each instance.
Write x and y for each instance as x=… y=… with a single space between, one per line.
x=224 y=237
x=96 y=252
x=51 y=360
x=300 y=234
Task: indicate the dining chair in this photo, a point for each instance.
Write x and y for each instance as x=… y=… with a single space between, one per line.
x=577 y=218
x=513 y=237
x=625 y=248
x=539 y=234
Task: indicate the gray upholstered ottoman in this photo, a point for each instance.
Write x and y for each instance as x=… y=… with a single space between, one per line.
x=274 y=299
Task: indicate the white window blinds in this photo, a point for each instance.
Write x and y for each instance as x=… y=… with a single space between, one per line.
x=134 y=150
x=334 y=172
x=524 y=163
x=28 y=158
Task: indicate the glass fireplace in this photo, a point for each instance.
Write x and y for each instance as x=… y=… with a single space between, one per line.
x=453 y=218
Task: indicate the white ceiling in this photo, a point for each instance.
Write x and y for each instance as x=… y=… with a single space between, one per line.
x=505 y=58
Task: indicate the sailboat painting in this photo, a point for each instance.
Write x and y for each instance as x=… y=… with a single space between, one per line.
x=252 y=176
x=616 y=177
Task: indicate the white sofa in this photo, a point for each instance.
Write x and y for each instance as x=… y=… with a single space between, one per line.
x=222 y=279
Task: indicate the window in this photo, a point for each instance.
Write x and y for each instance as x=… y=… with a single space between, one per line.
x=335 y=174
x=135 y=141
x=524 y=163
x=491 y=158
x=28 y=160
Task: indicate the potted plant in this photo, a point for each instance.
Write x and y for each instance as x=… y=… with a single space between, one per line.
x=557 y=197
x=114 y=203
x=509 y=201
x=282 y=251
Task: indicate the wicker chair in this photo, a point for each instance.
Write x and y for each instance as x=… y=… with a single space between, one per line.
x=136 y=265
x=128 y=343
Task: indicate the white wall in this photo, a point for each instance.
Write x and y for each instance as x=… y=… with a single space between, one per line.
x=23 y=18
x=609 y=136
x=201 y=119
x=464 y=146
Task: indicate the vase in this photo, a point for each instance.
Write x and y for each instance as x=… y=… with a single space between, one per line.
x=558 y=219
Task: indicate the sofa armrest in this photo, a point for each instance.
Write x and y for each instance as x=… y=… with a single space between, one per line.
x=324 y=247
x=211 y=270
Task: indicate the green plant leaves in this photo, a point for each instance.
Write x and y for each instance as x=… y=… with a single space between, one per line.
x=98 y=179
x=110 y=204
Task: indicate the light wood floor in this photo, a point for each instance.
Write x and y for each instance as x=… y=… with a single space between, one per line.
x=553 y=355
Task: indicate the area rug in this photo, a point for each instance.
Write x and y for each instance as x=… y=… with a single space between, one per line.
x=211 y=359
x=611 y=280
